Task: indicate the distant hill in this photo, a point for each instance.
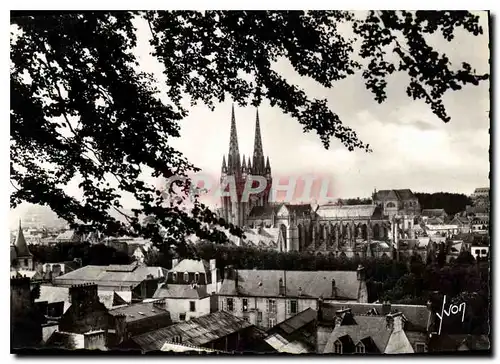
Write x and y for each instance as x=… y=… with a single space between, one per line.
x=452 y=203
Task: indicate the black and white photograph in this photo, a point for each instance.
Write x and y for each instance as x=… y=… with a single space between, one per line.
x=240 y=182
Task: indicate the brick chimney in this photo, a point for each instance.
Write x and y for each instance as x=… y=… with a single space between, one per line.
x=94 y=340
x=395 y=321
x=334 y=289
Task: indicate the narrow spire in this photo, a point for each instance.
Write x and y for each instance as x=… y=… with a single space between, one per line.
x=258 y=152
x=244 y=165
x=268 y=165
x=21 y=245
x=234 y=153
x=224 y=167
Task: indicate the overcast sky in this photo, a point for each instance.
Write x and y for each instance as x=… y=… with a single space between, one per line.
x=412 y=148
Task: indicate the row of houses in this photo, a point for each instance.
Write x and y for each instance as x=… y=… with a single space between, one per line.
x=241 y=310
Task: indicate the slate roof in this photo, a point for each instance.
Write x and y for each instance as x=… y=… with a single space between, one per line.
x=404 y=194
x=417 y=316
x=373 y=327
x=53 y=294
x=137 y=311
x=433 y=212
x=263 y=212
x=265 y=283
x=181 y=291
x=196 y=332
x=20 y=245
x=119 y=276
x=296 y=322
x=282 y=345
x=192 y=266
x=262 y=237
x=347 y=211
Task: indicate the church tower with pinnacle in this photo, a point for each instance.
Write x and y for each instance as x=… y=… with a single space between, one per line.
x=241 y=169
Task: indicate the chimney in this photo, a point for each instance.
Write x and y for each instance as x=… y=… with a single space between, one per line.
x=213 y=274
x=175 y=262
x=386 y=308
x=360 y=273
x=94 y=340
x=340 y=314
x=85 y=294
x=334 y=289
x=281 y=287
x=395 y=321
x=120 y=328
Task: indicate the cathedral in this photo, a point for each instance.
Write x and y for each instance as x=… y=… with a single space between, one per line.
x=354 y=230
x=242 y=170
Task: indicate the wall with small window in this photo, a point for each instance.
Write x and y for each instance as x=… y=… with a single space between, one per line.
x=183 y=309
x=262 y=311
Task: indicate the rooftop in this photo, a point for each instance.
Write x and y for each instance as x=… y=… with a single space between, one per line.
x=195 y=332
x=138 y=311
x=265 y=283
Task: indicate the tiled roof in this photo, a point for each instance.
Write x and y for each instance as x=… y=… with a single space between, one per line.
x=373 y=327
x=265 y=283
x=103 y=275
x=181 y=291
x=137 y=311
x=196 y=332
x=404 y=194
x=349 y=211
x=68 y=235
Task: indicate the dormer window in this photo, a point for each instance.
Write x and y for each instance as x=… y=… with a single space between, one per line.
x=186 y=276
x=174 y=277
x=196 y=277
x=360 y=348
x=338 y=347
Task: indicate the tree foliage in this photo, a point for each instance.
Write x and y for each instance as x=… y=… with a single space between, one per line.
x=80 y=107
x=452 y=203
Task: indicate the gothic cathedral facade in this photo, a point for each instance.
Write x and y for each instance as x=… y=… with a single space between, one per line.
x=239 y=172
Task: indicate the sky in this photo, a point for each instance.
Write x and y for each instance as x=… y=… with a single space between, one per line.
x=412 y=148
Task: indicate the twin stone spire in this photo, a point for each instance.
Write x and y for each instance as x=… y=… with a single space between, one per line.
x=256 y=165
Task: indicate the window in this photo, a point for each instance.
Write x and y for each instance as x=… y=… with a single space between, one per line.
x=182 y=317
x=186 y=277
x=177 y=340
x=25 y=262
x=360 y=348
x=271 y=306
x=246 y=318
x=229 y=304
x=420 y=348
x=245 y=304
x=272 y=322
x=483 y=251
x=196 y=277
x=259 y=317
x=174 y=277
x=293 y=307
x=338 y=347
x=192 y=306
x=390 y=204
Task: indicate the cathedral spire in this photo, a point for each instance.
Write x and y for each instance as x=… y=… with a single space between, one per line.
x=234 y=153
x=258 y=152
x=224 y=168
